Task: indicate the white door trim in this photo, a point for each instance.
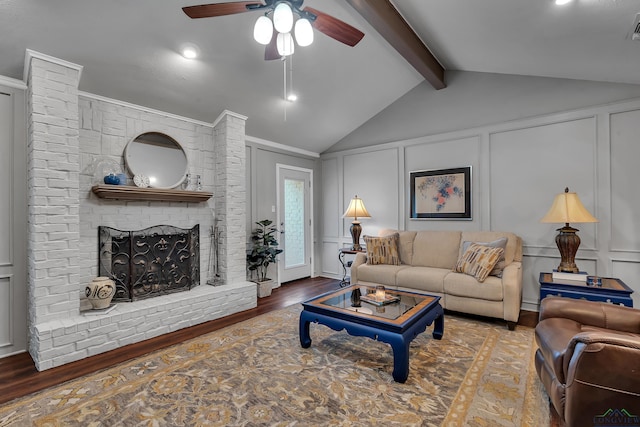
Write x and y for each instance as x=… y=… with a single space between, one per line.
x=279 y=168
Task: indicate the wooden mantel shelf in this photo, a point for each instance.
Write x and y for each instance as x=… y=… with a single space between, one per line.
x=129 y=192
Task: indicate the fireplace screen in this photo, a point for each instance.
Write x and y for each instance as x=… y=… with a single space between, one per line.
x=155 y=261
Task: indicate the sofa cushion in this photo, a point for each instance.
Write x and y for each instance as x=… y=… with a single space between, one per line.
x=478 y=261
x=383 y=274
x=425 y=279
x=436 y=249
x=513 y=251
x=463 y=285
x=382 y=250
x=499 y=243
x=405 y=244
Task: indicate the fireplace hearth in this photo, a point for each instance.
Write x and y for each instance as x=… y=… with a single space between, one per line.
x=155 y=261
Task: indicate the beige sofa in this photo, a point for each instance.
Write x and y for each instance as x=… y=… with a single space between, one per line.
x=427 y=260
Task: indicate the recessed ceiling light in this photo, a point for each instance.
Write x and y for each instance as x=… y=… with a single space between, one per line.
x=292 y=97
x=190 y=51
x=563 y=2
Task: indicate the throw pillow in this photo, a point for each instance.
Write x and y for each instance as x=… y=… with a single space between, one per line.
x=478 y=261
x=499 y=243
x=382 y=250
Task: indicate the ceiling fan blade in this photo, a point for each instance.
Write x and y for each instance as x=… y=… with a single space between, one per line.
x=335 y=28
x=220 y=9
x=271 y=50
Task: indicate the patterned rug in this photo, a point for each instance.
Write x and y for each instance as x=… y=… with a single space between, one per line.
x=255 y=373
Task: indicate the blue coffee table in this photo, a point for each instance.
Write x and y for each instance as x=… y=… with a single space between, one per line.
x=396 y=323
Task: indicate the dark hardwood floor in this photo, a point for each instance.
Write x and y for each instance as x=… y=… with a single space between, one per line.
x=19 y=377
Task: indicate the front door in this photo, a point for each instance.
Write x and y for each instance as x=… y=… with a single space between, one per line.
x=294 y=220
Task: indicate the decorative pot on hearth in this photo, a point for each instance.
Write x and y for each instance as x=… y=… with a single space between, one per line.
x=100 y=292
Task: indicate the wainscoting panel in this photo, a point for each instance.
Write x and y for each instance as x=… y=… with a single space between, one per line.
x=250 y=182
x=625 y=191
x=530 y=165
x=6 y=180
x=373 y=176
x=330 y=265
x=13 y=223
x=629 y=273
x=6 y=311
x=519 y=167
x=531 y=268
x=330 y=197
x=447 y=154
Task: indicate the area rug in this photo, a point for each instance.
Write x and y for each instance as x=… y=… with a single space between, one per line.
x=256 y=373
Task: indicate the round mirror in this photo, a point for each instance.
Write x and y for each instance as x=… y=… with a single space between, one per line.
x=157 y=157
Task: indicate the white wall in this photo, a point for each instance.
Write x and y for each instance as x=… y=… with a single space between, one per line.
x=518 y=166
x=474 y=99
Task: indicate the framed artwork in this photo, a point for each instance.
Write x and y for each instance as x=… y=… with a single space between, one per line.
x=441 y=194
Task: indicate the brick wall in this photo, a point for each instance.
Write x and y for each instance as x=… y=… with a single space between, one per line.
x=67 y=135
x=53 y=215
x=231 y=196
x=105 y=130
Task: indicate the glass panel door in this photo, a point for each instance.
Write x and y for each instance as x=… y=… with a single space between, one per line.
x=294 y=214
x=294 y=219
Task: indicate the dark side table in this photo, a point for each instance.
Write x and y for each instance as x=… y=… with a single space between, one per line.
x=613 y=291
x=341 y=254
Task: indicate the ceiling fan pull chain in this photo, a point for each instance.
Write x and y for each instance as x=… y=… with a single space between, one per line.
x=284 y=85
x=292 y=95
x=290 y=77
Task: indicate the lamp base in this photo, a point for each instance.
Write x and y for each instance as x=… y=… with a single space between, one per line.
x=568 y=243
x=355 y=229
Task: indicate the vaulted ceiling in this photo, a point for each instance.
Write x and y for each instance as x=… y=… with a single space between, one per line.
x=130 y=52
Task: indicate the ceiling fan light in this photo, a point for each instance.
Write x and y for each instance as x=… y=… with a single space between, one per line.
x=283 y=18
x=303 y=32
x=263 y=30
x=285 y=44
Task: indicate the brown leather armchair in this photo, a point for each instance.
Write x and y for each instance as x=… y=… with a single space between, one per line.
x=589 y=359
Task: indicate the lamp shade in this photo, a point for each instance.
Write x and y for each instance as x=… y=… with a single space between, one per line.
x=567 y=208
x=356 y=209
x=263 y=30
x=303 y=32
x=283 y=18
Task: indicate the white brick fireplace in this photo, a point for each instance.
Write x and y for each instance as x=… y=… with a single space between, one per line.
x=67 y=132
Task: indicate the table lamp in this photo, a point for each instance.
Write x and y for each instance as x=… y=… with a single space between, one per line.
x=567 y=208
x=356 y=210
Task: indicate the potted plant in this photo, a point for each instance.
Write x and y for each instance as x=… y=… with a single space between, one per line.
x=264 y=251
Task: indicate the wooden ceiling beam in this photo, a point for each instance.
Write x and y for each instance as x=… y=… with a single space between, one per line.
x=387 y=21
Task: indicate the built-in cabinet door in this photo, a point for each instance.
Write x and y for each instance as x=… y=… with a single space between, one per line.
x=13 y=234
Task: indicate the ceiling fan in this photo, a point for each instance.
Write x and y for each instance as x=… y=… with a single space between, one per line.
x=327 y=24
